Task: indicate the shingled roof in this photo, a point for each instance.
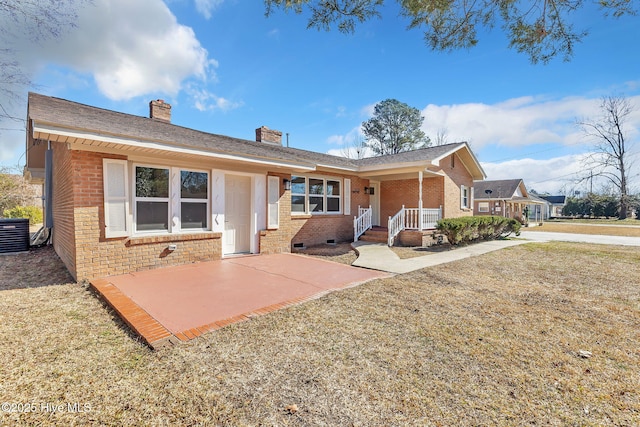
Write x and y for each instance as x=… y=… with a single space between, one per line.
x=61 y=113
x=498 y=189
x=556 y=200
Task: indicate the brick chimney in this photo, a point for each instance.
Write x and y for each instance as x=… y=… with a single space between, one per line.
x=160 y=110
x=269 y=136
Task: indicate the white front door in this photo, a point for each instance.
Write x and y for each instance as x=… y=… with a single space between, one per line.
x=237 y=214
x=374 y=200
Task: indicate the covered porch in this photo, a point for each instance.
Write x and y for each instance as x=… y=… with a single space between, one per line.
x=398 y=203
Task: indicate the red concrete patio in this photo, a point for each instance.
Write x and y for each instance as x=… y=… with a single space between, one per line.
x=180 y=303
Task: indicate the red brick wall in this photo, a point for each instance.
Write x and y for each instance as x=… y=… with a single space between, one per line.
x=63 y=236
x=456 y=175
x=311 y=230
x=79 y=226
x=394 y=194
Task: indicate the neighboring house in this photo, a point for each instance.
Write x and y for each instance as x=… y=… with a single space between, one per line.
x=508 y=198
x=128 y=193
x=540 y=211
x=556 y=205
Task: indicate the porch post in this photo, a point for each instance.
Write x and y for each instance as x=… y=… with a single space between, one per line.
x=420 y=200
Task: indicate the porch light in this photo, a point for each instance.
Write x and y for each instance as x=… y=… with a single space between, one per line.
x=366 y=190
x=287 y=184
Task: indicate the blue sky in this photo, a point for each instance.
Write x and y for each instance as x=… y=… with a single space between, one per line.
x=228 y=69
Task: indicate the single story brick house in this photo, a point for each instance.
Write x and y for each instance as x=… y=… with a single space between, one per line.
x=128 y=193
x=507 y=197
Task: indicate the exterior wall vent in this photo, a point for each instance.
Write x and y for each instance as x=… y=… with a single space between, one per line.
x=14 y=235
x=298 y=245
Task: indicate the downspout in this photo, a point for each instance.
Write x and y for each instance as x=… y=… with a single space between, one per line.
x=48 y=187
x=43 y=236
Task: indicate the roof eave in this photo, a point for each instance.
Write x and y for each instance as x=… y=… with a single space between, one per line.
x=478 y=175
x=46 y=130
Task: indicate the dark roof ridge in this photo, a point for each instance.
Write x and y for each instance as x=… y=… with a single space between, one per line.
x=417 y=150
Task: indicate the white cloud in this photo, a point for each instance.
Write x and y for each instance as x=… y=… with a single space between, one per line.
x=132 y=49
x=206 y=7
x=207 y=101
x=274 y=34
x=555 y=175
x=351 y=144
x=514 y=122
x=129 y=48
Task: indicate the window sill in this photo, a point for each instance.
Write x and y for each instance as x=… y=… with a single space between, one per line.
x=165 y=238
x=317 y=215
x=301 y=216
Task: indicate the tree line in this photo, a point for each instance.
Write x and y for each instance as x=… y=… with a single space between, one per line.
x=598 y=206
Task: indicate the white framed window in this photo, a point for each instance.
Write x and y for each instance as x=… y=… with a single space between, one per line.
x=464 y=197
x=194 y=200
x=316 y=195
x=151 y=198
x=298 y=195
x=483 y=206
x=170 y=200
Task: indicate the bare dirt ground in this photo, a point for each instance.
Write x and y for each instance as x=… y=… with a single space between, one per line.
x=538 y=334
x=340 y=252
x=405 y=252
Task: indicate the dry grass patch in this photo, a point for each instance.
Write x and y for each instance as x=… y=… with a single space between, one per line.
x=38 y=267
x=491 y=340
x=581 y=228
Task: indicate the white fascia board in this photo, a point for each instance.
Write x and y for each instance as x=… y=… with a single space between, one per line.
x=340 y=168
x=436 y=161
x=402 y=165
x=44 y=128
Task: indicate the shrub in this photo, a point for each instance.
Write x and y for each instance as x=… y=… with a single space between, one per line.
x=470 y=228
x=34 y=213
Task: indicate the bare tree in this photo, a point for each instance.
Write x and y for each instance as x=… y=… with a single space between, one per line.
x=610 y=160
x=33 y=20
x=356 y=149
x=441 y=137
x=14 y=189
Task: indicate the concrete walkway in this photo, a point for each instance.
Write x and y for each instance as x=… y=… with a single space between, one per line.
x=378 y=256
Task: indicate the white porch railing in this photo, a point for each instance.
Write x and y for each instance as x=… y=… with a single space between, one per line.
x=411 y=219
x=395 y=226
x=362 y=222
x=429 y=218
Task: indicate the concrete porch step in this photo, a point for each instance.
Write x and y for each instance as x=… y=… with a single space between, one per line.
x=375 y=235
